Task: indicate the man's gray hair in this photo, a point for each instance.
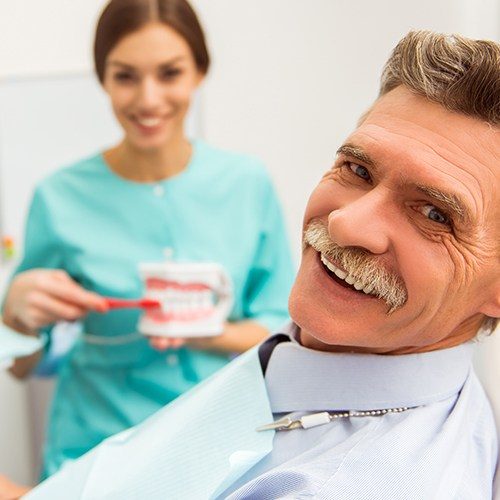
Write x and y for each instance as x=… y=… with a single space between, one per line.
x=461 y=74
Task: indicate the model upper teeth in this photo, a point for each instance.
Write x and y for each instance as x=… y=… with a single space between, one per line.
x=149 y=122
x=351 y=280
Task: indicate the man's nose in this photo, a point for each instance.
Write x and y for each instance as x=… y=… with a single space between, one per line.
x=362 y=223
x=150 y=94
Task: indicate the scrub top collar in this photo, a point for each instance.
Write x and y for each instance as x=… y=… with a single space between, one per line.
x=301 y=379
x=192 y=164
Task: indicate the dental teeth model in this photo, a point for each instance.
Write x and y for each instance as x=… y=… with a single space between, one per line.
x=195 y=299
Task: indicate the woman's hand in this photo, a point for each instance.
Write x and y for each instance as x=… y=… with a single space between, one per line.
x=164 y=343
x=236 y=338
x=10 y=490
x=40 y=297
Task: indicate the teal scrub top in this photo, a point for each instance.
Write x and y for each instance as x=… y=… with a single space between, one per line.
x=97 y=226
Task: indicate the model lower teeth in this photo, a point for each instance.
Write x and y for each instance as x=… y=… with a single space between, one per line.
x=367 y=289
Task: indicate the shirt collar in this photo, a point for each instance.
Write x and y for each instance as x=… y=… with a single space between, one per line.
x=301 y=379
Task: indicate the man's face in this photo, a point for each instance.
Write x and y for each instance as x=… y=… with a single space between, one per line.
x=411 y=201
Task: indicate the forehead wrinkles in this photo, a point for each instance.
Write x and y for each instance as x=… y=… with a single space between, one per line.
x=428 y=162
x=461 y=181
x=469 y=145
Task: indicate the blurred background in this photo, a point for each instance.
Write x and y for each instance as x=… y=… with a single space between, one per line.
x=288 y=82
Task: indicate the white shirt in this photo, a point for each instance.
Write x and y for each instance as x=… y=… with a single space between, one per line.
x=444 y=447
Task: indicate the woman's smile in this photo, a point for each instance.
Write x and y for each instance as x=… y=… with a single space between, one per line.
x=150 y=125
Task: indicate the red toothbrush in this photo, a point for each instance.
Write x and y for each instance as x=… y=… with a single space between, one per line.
x=113 y=303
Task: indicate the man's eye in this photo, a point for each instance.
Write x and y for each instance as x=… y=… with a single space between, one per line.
x=360 y=171
x=436 y=215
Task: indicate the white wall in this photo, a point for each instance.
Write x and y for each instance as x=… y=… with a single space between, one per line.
x=46 y=37
x=289 y=79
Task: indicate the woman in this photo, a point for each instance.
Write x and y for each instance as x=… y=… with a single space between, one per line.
x=92 y=223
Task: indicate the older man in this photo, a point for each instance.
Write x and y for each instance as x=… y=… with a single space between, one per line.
x=371 y=389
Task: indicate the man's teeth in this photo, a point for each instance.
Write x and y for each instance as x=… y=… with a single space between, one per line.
x=349 y=279
x=341 y=274
x=358 y=285
x=148 y=122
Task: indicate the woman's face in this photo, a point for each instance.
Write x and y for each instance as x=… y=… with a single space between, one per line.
x=150 y=77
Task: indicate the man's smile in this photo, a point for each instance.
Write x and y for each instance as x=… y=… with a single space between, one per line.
x=333 y=288
x=345 y=279
x=355 y=269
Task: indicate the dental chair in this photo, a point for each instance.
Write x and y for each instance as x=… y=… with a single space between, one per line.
x=487 y=366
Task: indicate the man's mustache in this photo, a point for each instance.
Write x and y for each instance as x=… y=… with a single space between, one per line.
x=360 y=264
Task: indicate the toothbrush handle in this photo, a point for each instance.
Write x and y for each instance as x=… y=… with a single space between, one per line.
x=114 y=303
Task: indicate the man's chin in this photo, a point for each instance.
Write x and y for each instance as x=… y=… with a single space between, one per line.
x=338 y=329
x=318 y=329
x=337 y=336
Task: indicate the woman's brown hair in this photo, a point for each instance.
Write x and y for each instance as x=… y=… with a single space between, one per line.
x=122 y=17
